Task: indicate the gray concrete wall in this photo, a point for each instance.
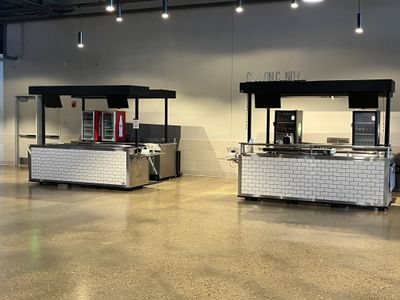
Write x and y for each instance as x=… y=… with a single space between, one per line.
x=204 y=54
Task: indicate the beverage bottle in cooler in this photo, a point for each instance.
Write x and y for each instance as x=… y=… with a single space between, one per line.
x=120 y=127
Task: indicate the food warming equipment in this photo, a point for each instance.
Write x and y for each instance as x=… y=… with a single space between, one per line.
x=288 y=126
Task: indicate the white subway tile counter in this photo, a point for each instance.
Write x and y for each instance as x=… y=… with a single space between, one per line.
x=84 y=165
x=357 y=182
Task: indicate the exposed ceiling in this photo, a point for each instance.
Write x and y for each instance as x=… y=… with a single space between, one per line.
x=26 y=10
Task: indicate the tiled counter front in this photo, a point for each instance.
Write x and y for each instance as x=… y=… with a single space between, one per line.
x=79 y=166
x=359 y=182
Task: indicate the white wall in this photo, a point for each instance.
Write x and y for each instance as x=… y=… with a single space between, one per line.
x=204 y=54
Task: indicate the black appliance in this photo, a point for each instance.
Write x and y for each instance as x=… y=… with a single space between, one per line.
x=288 y=123
x=366 y=129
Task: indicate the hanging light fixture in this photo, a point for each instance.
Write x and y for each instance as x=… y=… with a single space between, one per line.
x=80 y=39
x=110 y=6
x=312 y=1
x=294 y=4
x=359 y=28
x=239 y=8
x=119 y=13
x=80 y=34
x=165 y=14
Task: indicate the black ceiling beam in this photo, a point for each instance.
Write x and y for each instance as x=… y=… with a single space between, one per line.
x=24 y=3
x=17 y=19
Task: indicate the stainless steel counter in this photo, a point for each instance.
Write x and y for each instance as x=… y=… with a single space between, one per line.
x=320 y=173
x=114 y=165
x=397 y=163
x=162 y=163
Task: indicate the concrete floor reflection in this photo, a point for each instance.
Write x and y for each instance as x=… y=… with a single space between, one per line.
x=188 y=238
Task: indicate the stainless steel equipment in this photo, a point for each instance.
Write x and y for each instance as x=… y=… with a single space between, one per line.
x=164 y=165
x=288 y=126
x=397 y=172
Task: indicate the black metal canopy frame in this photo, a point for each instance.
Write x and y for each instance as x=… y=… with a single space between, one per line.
x=116 y=96
x=272 y=91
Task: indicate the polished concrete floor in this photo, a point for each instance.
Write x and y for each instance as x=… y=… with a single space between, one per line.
x=189 y=238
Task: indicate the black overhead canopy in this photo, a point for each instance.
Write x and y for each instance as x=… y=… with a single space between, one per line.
x=90 y=91
x=159 y=94
x=361 y=93
x=319 y=88
x=149 y=94
x=117 y=97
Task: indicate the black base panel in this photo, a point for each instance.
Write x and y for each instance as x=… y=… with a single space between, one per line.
x=86 y=185
x=314 y=203
x=157 y=177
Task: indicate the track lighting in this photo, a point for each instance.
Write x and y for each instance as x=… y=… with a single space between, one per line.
x=165 y=14
x=294 y=4
x=119 y=13
x=80 y=39
x=110 y=6
x=359 y=28
x=239 y=8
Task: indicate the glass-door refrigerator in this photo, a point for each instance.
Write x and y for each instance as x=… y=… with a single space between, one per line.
x=366 y=128
x=114 y=129
x=288 y=126
x=91 y=126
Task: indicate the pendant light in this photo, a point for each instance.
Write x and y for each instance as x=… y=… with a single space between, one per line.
x=294 y=4
x=80 y=40
x=80 y=35
x=239 y=8
x=119 y=13
x=110 y=6
x=165 y=14
x=359 y=28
